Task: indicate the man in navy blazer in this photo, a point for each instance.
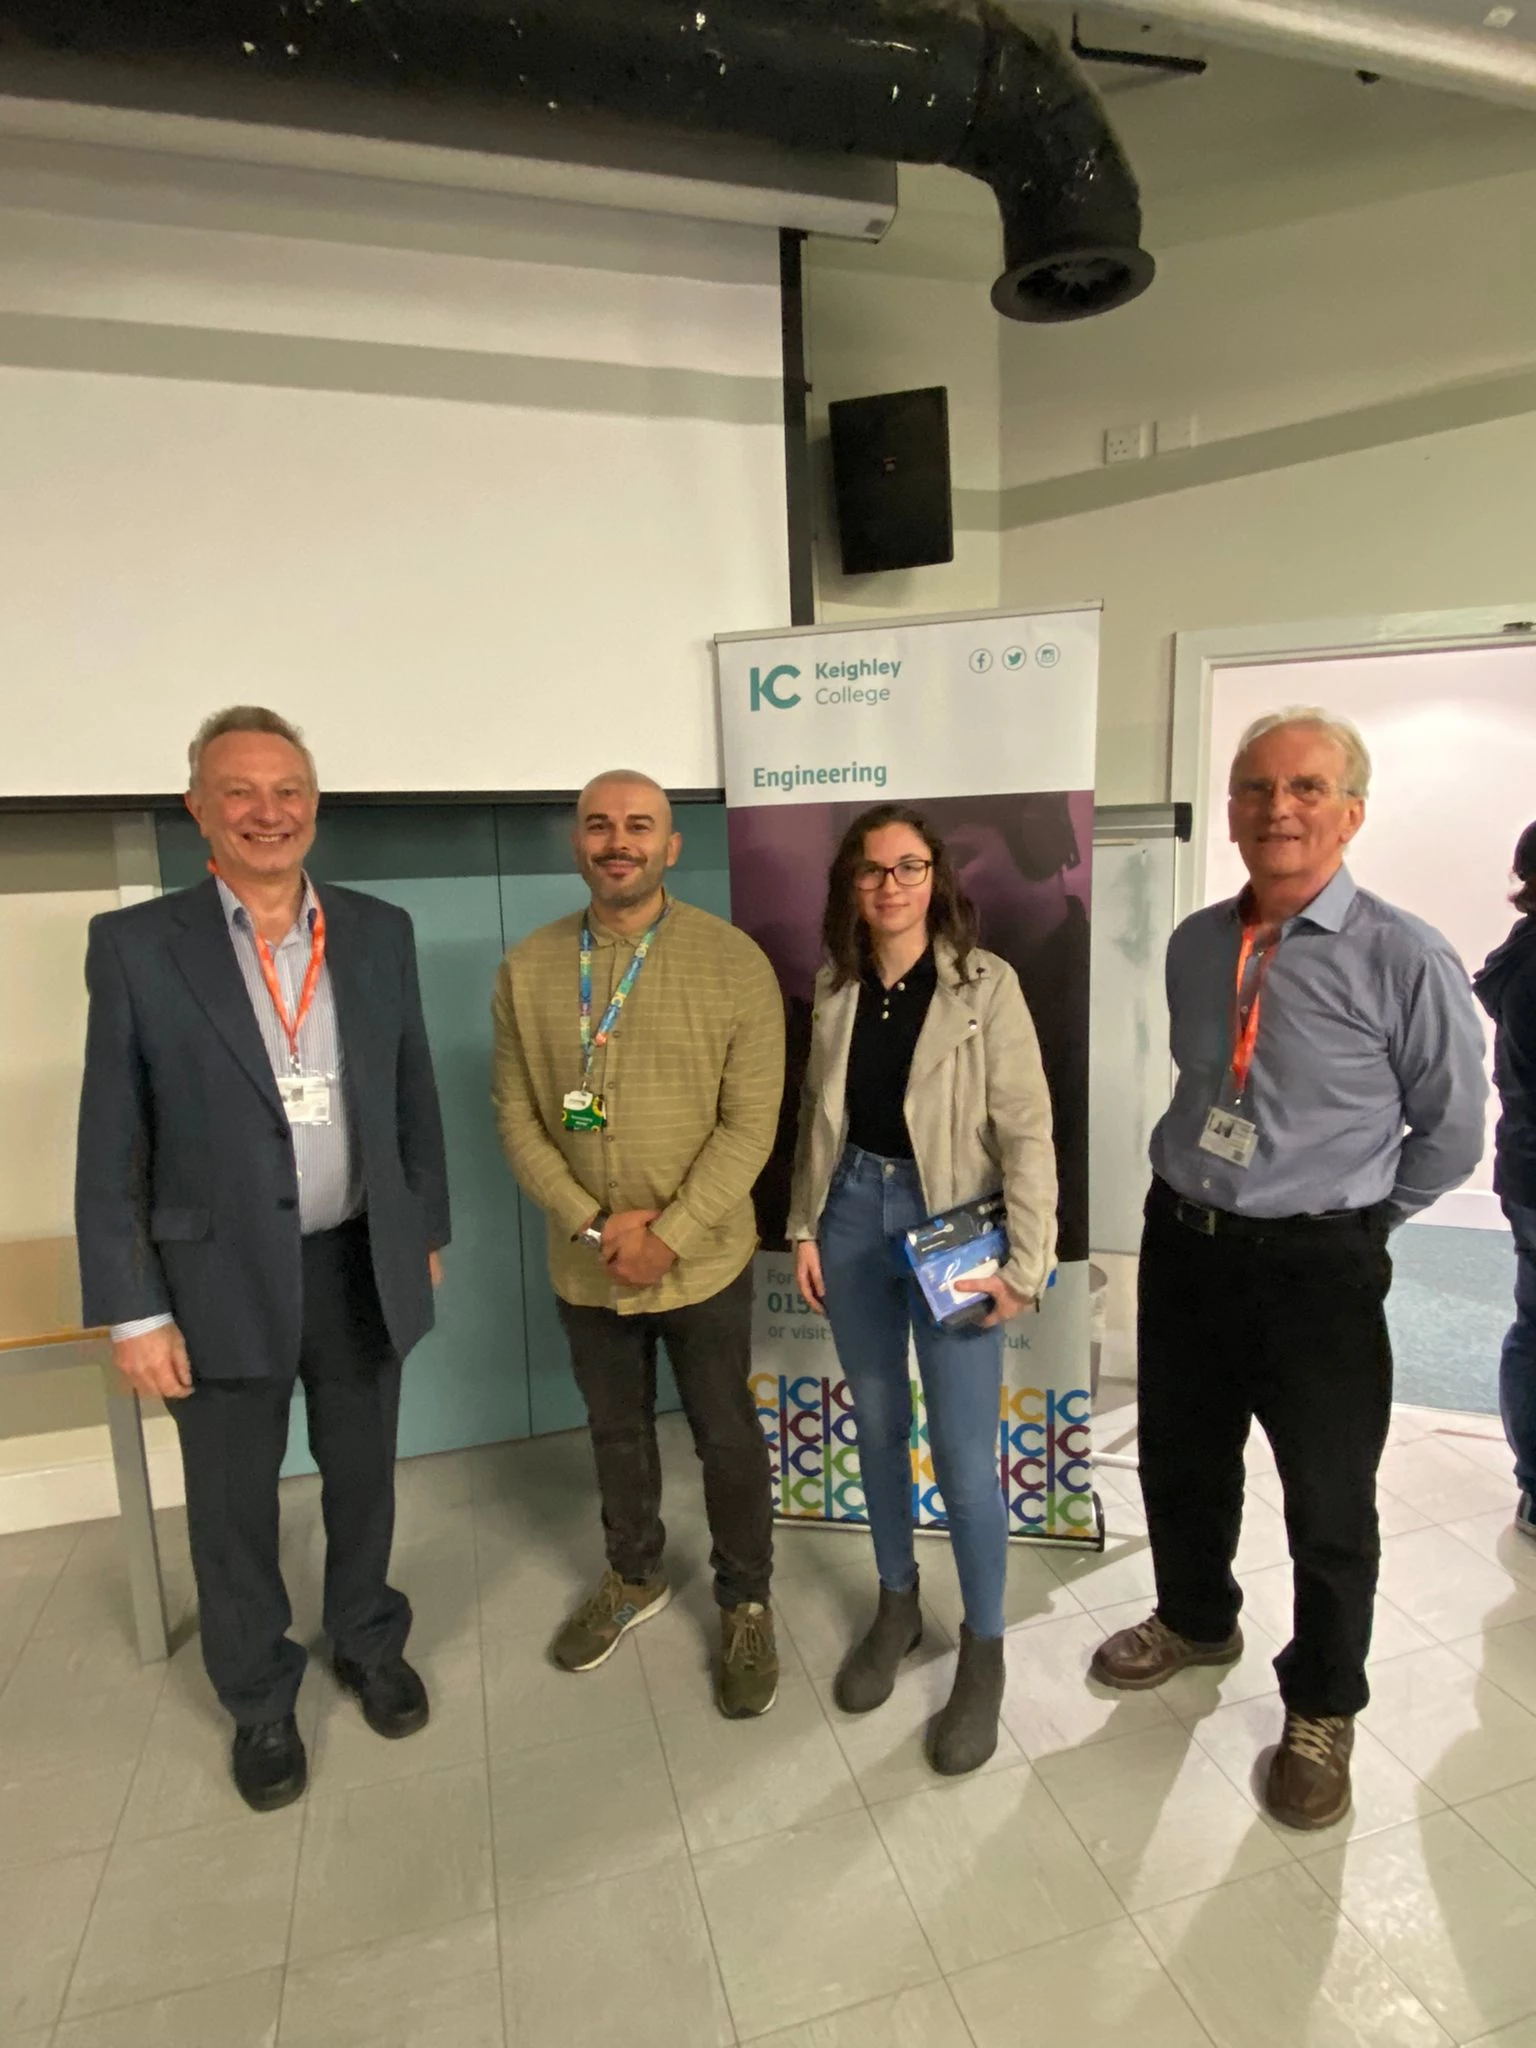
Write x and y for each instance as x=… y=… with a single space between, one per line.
x=261 y=1197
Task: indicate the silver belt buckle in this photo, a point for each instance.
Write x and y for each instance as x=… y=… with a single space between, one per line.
x=1194 y=1216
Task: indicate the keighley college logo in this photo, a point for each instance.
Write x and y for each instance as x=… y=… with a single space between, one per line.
x=765 y=688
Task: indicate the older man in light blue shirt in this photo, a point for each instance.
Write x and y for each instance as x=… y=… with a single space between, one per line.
x=1368 y=1083
x=1330 y=1083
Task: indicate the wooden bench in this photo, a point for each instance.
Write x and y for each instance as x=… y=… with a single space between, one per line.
x=40 y=1331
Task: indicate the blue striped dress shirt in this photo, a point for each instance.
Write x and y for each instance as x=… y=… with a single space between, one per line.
x=1368 y=1080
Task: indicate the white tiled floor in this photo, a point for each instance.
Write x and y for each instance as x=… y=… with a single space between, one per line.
x=563 y=1861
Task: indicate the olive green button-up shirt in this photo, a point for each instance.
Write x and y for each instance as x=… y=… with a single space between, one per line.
x=692 y=1077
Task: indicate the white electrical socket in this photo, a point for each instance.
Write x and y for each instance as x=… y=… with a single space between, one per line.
x=1174 y=434
x=1125 y=444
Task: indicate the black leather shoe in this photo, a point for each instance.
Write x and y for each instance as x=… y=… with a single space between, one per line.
x=392 y=1696
x=269 y=1764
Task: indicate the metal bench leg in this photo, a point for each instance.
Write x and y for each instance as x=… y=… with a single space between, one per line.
x=126 y=1422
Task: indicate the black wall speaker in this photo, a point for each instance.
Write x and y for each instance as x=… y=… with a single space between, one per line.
x=890 y=469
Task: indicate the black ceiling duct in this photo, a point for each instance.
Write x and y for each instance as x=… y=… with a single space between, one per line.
x=953 y=82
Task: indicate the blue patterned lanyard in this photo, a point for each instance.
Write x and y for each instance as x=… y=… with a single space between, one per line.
x=592 y=1041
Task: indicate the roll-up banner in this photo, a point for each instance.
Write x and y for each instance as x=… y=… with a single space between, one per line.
x=986 y=723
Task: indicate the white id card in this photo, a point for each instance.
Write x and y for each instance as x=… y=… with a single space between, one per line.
x=306 y=1097
x=1230 y=1137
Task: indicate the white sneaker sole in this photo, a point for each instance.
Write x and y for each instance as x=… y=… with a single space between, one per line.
x=646 y=1613
x=751 y=1714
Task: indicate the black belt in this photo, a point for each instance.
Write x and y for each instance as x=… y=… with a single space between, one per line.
x=1210 y=1222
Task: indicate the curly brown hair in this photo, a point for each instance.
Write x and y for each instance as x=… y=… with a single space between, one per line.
x=845 y=935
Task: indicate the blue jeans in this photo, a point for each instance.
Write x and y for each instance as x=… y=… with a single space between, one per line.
x=1517 y=1361
x=872 y=1306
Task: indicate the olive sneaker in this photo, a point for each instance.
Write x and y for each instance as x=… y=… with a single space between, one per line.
x=602 y=1621
x=748 y=1679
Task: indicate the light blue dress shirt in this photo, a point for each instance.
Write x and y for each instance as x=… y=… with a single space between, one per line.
x=1368 y=1079
x=325 y=1155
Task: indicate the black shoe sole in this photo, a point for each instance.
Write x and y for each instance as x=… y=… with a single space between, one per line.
x=273 y=1801
x=392 y=1731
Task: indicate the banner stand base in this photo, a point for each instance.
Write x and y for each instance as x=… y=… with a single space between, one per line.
x=1023 y=1538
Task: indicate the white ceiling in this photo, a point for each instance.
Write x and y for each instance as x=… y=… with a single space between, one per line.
x=1458 y=45
x=1256 y=141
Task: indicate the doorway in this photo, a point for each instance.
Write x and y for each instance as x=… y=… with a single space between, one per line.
x=1447 y=708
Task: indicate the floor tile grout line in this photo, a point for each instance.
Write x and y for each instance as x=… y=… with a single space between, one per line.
x=485 y=1715
x=105 y=2012
x=31 y=1635
x=293 y=1897
x=688 y=1850
x=1355 y=1928
x=111 y=1849
x=1526 y=1880
x=1449 y=1529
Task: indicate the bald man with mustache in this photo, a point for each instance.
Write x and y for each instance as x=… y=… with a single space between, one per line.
x=638 y=1073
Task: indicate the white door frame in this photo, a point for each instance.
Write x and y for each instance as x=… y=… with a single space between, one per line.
x=1197 y=656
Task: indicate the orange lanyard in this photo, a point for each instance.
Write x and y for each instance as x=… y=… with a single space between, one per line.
x=292 y=1026
x=1245 y=1028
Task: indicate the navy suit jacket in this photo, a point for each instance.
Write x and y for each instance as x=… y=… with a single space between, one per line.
x=186 y=1192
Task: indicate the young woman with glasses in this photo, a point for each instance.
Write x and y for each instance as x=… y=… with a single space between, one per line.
x=924 y=1090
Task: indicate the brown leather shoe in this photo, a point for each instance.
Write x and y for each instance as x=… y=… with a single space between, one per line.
x=1136 y=1659
x=1308 y=1783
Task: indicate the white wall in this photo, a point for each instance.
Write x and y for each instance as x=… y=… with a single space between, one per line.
x=872 y=326
x=1433 y=524
x=1258 y=330
x=56 y=873
x=1365 y=384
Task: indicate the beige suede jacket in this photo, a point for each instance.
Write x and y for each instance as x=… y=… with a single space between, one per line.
x=977 y=1107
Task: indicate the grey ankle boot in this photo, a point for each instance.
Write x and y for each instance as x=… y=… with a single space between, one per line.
x=965 y=1734
x=869 y=1671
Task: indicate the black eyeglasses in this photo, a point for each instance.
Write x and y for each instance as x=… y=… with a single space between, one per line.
x=909 y=873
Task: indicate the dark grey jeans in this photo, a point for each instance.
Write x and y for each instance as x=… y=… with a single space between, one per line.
x=710 y=1346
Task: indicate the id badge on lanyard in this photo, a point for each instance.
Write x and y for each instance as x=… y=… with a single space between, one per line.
x=1230 y=1133
x=307 y=1098
x=583 y=1109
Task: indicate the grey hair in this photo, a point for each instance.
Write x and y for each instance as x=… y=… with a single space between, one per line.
x=1346 y=737
x=245 y=718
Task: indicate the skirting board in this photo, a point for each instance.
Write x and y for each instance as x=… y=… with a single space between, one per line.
x=68 y=1476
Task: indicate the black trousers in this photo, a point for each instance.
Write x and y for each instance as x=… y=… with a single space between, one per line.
x=1286 y=1324
x=233 y=1436
x=710 y=1346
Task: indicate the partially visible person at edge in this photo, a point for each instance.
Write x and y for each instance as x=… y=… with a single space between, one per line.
x=1506 y=988
x=923 y=1053
x=1330 y=1084
x=638 y=1070
x=261 y=1195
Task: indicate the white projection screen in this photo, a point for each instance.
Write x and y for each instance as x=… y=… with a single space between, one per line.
x=467 y=500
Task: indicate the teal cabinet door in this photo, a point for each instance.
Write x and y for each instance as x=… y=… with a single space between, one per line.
x=466 y=1383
